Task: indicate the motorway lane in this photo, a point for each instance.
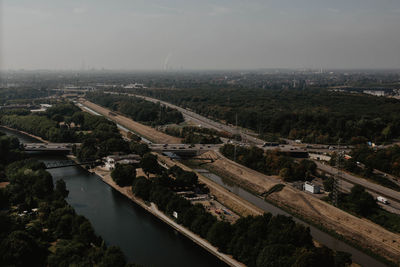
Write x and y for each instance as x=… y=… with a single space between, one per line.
x=201 y=119
x=384 y=191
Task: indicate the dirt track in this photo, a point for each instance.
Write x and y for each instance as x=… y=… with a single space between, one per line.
x=146 y=131
x=227 y=198
x=361 y=231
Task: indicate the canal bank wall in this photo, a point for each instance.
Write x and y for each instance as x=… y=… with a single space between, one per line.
x=152 y=208
x=127 y=192
x=31 y=135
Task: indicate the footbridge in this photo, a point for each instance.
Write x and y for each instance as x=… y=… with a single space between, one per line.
x=50 y=147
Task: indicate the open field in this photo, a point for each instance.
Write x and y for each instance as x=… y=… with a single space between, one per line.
x=143 y=130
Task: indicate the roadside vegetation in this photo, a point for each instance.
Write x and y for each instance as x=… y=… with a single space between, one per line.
x=254 y=240
x=271 y=162
x=38 y=227
x=363 y=204
x=137 y=109
x=196 y=135
x=312 y=115
x=20 y=95
x=67 y=123
x=385 y=159
x=366 y=171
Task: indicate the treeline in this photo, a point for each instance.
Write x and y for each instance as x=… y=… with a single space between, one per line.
x=312 y=115
x=366 y=171
x=9 y=150
x=38 y=227
x=363 y=204
x=197 y=135
x=138 y=109
x=386 y=159
x=254 y=240
x=67 y=123
x=15 y=95
x=271 y=162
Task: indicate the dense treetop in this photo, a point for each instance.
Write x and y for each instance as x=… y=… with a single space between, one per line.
x=38 y=227
x=314 y=115
x=138 y=109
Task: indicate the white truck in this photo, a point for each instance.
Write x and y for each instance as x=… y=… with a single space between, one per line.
x=382 y=200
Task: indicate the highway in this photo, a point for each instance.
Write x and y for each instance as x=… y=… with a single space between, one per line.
x=291 y=146
x=371 y=187
x=201 y=120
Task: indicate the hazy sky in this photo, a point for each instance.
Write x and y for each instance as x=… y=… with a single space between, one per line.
x=202 y=34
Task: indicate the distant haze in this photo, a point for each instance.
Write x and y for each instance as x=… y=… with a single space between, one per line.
x=188 y=34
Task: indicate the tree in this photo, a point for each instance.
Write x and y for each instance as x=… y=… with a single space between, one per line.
x=113 y=257
x=123 y=174
x=20 y=249
x=220 y=234
x=141 y=187
x=361 y=201
x=61 y=189
x=328 y=184
x=139 y=148
x=149 y=164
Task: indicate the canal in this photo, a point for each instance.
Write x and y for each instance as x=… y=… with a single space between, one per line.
x=146 y=240
x=357 y=255
x=143 y=238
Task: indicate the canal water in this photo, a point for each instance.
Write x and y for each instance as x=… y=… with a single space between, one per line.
x=320 y=236
x=143 y=238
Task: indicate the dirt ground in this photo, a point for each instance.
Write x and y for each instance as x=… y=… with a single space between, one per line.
x=222 y=195
x=361 y=231
x=150 y=133
x=4 y=184
x=245 y=177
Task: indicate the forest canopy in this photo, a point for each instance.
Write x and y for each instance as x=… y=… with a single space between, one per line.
x=313 y=115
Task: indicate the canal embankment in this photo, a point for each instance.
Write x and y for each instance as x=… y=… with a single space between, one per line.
x=152 y=208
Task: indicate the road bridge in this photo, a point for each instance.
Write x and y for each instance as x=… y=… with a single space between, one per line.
x=49 y=147
x=184 y=150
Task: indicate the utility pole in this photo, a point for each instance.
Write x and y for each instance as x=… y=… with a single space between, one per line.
x=235 y=143
x=336 y=179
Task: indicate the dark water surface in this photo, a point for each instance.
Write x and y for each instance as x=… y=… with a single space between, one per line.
x=143 y=238
x=357 y=255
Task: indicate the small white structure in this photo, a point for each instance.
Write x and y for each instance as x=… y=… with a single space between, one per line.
x=319 y=157
x=43 y=107
x=311 y=188
x=111 y=161
x=175 y=214
x=382 y=200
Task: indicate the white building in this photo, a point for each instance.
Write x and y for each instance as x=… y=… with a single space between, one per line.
x=374 y=92
x=311 y=188
x=111 y=161
x=319 y=157
x=43 y=107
